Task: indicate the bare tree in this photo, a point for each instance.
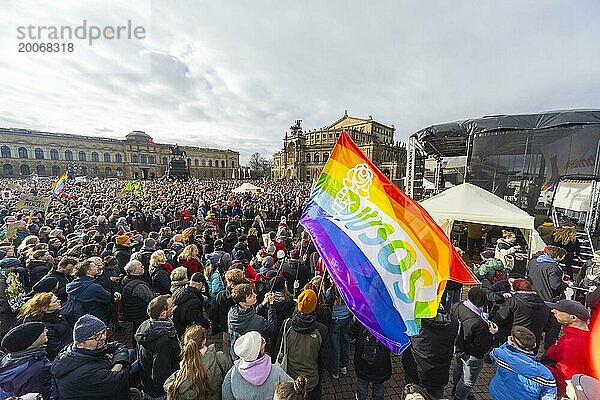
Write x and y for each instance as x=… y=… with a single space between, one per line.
x=260 y=165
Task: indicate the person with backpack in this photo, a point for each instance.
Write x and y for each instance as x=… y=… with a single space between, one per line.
x=160 y=271
x=490 y=270
x=305 y=344
x=372 y=362
x=213 y=280
x=122 y=250
x=338 y=332
x=224 y=257
x=85 y=295
x=136 y=294
x=188 y=305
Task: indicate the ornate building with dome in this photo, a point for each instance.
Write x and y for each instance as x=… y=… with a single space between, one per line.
x=24 y=152
x=306 y=151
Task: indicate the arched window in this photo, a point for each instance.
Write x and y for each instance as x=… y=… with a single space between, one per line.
x=95 y=156
x=152 y=159
x=68 y=155
x=39 y=153
x=107 y=171
x=5 y=150
x=82 y=156
x=144 y=159
x=23 y=153
x=119 y=171
x=55 y=170
x=204 y=163
x=134 y=158
x=165 y=160
x=308 y=158
x=25 y=171
x=41 y=170
x=233 y=164
x=210 y=163
x=317 y=158
x=325 y=156
x=95 y=171
x=196 y=162
x=217 y=163
x=106 y=157
x=8 y=169
x=118 y=158
x=223 y=164
x=53 y=154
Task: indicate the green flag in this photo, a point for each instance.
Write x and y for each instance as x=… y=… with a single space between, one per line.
x=136 y=190
x=127 y=187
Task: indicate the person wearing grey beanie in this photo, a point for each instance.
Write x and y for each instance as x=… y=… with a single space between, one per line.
x=91 y=368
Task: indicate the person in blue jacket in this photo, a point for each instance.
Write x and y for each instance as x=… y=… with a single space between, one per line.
x=25 y=369
x=519 y=373
x=89 y=292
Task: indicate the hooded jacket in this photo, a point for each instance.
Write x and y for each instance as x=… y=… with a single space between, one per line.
x=432 y=349
x=37 y=270
x=255 y=380
x=372 y=360
x=520 y=375
x=525 y=309
x=59 y=332
x=546 y=277
x=158 y=354
x=93 y=296
x=188 y=309
x=86 y=374
x=26 y=371
x=161 y=281
x=240 y=322
x=219 y=310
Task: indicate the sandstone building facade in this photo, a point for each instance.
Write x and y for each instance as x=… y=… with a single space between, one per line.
x=305 y=152
x=25 y=152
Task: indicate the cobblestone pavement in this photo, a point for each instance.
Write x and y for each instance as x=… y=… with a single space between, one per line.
x=344 y=387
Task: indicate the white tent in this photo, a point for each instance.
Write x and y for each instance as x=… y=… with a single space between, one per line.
x=470 y=203
x=247 y=187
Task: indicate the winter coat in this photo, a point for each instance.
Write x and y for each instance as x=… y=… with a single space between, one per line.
x=474 y=337
x=432 y=349
x=26 y=371
x=372 y=360
x=91 y=295
x=188 y=309
x=519 y=374
x=215 y=285
x=86 y=374
x=158 y=354
x=253 y=246
x=37 y=270
x=136 y=295
x=308 y=347
x=569 y=355
x=253 y=381
x=216 y=364
x=63 y=280
x=219 y=310
x=123 y=255
x=242 y=246
x=293 y=270
x=192 y=265
x=161 y=280
x=59 y=332
x=525 y=309
x=229 y=242
x=546 y=276
x=240 y=321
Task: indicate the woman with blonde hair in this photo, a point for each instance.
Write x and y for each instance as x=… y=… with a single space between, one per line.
x=566 y=237
x=179 y=278
x=506 y=246
x=159 y=272
x=28 y=243
x=189 y=258
x=45 y=308
x=202 y=369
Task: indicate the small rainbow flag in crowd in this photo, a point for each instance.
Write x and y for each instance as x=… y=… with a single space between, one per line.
x=59 y=185
x=388 y=258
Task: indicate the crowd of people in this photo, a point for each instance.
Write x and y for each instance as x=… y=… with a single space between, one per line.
x=227 y=298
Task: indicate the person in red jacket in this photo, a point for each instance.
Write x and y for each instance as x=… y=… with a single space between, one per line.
x=570 y=354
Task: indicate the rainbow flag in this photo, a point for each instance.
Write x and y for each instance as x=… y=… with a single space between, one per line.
x=59 y=185
x=387 y=256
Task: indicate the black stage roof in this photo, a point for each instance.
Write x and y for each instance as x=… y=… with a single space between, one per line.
x=504 y=134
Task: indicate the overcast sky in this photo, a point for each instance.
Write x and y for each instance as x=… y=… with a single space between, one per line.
x=236 y=74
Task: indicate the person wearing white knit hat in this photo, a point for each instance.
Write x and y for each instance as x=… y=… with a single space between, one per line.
x=253 y=376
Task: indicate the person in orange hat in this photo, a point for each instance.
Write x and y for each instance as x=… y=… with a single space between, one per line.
x=305 y=342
